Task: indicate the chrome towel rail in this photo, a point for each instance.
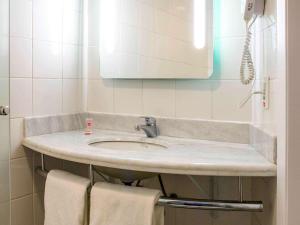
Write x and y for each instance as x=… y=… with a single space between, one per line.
x=249 y=206
x=246 y=206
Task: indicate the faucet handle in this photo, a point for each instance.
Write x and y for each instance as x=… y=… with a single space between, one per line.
x=150 y=121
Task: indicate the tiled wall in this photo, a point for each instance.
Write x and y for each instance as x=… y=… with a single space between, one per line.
x=45 y=78
x=268 y=64
x=217 y=98
x=267 y=60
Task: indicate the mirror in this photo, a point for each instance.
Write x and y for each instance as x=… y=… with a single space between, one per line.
x=156 y=39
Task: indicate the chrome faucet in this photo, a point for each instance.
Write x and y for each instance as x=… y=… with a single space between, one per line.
x=150 y=128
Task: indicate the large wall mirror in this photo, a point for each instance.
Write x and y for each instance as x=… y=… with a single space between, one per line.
x=156 y=39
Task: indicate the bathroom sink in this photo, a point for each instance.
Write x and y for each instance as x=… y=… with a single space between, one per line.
x=127 y=144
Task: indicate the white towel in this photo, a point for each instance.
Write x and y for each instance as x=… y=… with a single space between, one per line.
x=65 y=199
x=113 y=204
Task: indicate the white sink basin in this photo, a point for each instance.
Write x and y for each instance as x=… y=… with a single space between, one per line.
x=128 y=144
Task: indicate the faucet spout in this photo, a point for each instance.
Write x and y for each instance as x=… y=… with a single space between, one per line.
x=149 y=127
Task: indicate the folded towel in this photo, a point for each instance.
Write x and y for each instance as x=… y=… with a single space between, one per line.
x=65 y=199
x=113 y=204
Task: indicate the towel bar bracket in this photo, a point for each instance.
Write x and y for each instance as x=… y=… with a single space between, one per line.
x=91 y=175
x=246 y=206
x=43 y=162
x=241 y=189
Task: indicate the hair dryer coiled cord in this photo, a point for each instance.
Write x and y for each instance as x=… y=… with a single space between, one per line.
x=247 y=61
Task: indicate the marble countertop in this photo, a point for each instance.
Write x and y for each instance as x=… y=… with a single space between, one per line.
x=183 y=156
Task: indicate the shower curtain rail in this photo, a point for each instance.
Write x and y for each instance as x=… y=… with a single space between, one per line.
x=201 y=204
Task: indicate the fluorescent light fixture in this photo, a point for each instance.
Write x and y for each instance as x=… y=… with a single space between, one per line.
x=199 y=23
x=109 y=24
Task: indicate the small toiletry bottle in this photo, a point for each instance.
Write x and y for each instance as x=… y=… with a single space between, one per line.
x=88 y=126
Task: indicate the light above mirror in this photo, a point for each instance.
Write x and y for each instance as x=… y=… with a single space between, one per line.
x=199 y=23
x=109 y=24
x=156 y=39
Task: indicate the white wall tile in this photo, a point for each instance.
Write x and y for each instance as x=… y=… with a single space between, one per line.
x=20 y=57
x=71 y=61
x=271 y=56
x=71 y=95
x=47 y=20
x=159 y=98
x=128 y=96
x=93 y=22
x=44 y=58
x=21 y=97
x=193 y=99
x=22 y=211
x=4 y=87
x=47 y=59
x=21 y=177
x=71 y=27
x=16 y=138
x=227 y=96
x=4 y=135
x=4 y=56
x=100 y=96
x=4 y=18
x=21 y=18
x=47 y=98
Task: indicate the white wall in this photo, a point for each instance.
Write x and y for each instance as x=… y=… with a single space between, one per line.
x=270 y=62
x=217 y=98
x=45 y=78
x=268 y=65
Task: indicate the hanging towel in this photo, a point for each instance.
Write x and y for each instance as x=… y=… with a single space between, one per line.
x=113 y=204
x=65 y=199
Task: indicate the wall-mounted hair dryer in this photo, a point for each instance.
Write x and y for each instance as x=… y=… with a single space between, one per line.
x=253 y=9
